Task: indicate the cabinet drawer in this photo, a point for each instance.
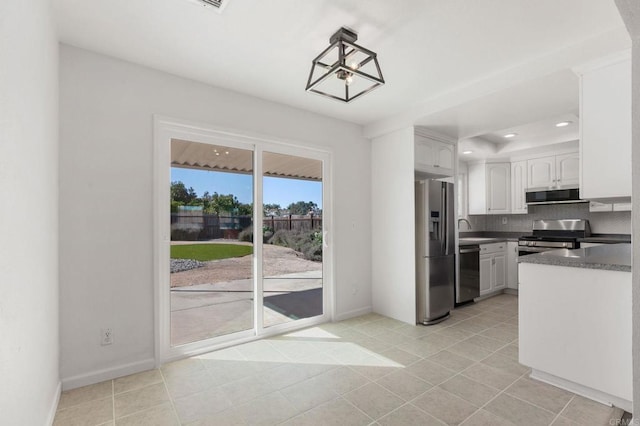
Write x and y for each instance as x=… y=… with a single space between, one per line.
x=493 y=248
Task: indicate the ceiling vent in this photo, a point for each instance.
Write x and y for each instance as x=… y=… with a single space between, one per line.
x=217 y=5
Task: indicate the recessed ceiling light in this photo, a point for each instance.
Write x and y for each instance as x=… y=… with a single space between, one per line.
x=467 y=152
x=510 y=135
x=563 y=123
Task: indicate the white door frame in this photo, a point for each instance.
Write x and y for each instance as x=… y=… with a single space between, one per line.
x=164 y=130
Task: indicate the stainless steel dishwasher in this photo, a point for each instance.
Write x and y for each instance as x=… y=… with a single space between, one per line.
x=468 y=285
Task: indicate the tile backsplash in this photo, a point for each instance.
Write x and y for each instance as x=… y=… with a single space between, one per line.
x=601 y=222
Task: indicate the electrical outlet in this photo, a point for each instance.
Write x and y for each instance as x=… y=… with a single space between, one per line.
x=106 y=336
x=504 y=221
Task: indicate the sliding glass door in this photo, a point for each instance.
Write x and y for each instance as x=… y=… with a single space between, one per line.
x=292 y=243
x=212 y=262
x=243 y=241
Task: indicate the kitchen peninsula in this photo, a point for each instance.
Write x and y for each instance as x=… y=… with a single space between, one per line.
x=575 y=320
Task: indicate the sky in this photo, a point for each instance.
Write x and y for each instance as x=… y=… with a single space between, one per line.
x=276 y=190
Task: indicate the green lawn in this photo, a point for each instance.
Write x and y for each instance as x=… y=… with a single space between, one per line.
x=205 y=252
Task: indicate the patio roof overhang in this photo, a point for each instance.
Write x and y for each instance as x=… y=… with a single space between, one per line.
x=201 y=156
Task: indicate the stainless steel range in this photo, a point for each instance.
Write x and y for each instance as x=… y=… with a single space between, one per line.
x=552 y=234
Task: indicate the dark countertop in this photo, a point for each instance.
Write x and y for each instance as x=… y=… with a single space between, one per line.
x=474 y=241
x=607 y=238
x=484 y=237
x=498 y=237
x=611 y=257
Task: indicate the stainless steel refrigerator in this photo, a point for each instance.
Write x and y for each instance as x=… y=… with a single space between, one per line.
x=435 y=251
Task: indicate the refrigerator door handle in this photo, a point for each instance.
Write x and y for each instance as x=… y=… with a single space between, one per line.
x=443 y=220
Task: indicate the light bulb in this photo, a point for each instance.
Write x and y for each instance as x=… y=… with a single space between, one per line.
x=354 y=65
x=346 y=76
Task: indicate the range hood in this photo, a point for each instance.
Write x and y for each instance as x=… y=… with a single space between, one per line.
x=553 y=196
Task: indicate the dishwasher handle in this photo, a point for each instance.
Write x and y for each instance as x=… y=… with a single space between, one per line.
x=470 y=250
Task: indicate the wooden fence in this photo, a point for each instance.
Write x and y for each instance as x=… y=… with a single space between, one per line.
x=293 y=222
x=193 y=227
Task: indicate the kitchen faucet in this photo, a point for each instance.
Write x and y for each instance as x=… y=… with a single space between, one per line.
x=462 y=219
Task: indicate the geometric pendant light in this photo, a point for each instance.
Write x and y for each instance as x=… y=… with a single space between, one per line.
x=344 y=70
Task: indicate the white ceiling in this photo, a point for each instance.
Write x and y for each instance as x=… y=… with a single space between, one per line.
x=444 y=60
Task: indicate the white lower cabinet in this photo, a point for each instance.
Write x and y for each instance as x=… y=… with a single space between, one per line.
x=486 y=269
x=493 y=267
x=576 y=330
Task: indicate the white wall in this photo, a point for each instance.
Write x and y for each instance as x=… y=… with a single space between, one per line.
x=106 y=156
x=28 y=213
x=393 y=225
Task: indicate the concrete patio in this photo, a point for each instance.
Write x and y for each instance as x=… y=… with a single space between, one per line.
x=204 y=311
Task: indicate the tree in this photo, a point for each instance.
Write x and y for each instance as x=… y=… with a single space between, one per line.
x=302 y=207
x=182 y=195
x=271 y=209
x=245 y=209
x=222 y=203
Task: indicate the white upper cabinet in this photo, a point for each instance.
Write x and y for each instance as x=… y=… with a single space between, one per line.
x=541 y=172
x=433 y=156
x=498 y=188
x=605 y=129
x=461 y=190
x=489 y=188
x=444 y=155
x=518 y=187
x=568 y=169
x=554 y=171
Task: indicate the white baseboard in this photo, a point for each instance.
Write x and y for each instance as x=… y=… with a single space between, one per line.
x=107 y=374
x=54 y=404
x=353 y=313
x=587 y=392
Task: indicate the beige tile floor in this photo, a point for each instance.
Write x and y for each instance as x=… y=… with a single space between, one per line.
x=369 y=370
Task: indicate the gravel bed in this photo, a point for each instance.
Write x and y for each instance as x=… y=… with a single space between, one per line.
x=179 y=265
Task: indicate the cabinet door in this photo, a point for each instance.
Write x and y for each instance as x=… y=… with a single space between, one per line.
x=499 y=271
x=444 y=155
x=498 y=188
x=541 y=172
x=477 y=188
x=605 y=131
x=512 y=265
x=424 y=154
x=486 y=272
x=568 y=169
x=518 y=187
x=432 y=156
x=461 y=186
